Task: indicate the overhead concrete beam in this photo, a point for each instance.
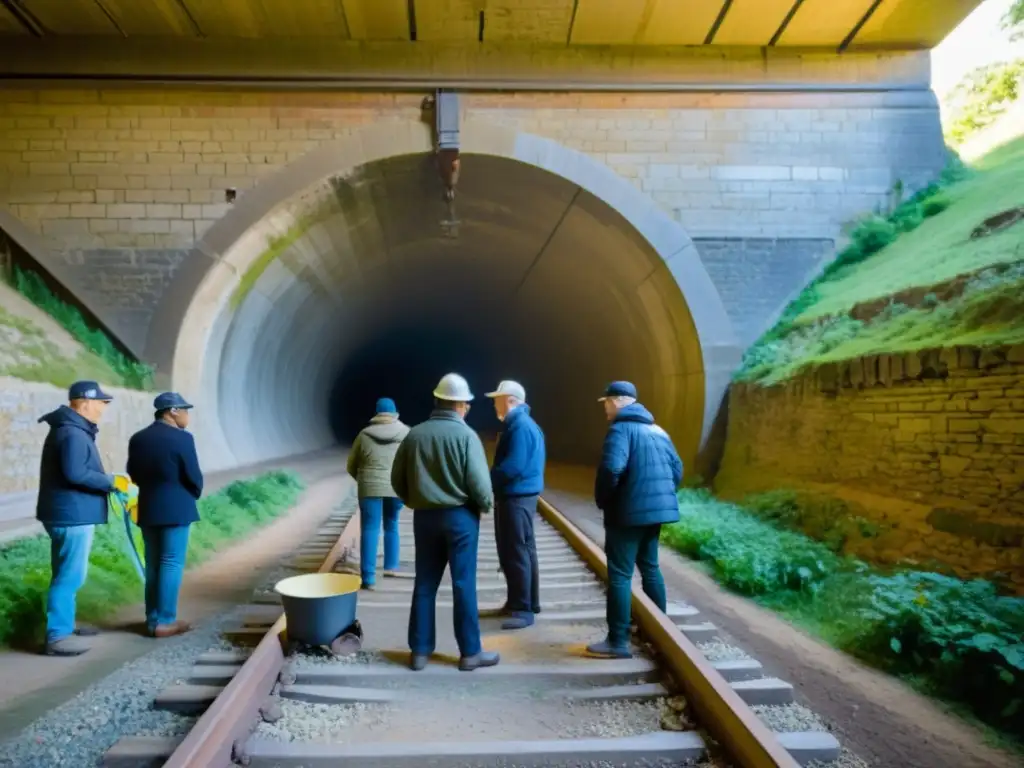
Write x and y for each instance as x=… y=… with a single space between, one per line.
x=421 y=65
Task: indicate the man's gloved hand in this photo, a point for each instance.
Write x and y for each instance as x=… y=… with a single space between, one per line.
x=122 y=482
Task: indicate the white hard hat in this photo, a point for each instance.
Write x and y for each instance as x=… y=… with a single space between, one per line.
x=453 y=388
x=509 y=388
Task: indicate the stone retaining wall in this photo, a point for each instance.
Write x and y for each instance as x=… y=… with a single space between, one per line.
x=928 y=445
x=21 y=434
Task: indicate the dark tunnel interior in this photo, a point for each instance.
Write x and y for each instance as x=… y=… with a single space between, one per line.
x=358 y=289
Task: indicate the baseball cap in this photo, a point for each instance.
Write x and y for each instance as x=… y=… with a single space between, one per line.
x=386 y=405
x=167 y=400
x=618 y=389
x=87 y=390
x=509 y=388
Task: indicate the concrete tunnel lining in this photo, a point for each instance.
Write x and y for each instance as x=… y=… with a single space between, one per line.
x=563 y=270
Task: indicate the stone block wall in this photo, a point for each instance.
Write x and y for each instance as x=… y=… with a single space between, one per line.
x=121 y=182
x=928 y=445
x=21 y=434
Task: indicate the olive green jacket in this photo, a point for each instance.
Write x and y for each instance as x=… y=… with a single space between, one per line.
x=372 y=454
x=442 y=464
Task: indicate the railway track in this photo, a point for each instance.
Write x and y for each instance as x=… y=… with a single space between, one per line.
x=545 y=704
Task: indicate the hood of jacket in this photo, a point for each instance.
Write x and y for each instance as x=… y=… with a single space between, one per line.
x=636 y=413
x=386 y=429
x=64 y=416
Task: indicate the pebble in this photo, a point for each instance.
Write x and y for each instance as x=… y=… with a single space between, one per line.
x=716 y=650
x=789 y=718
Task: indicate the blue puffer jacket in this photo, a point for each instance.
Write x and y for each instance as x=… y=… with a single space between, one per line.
x=519 y=456
x=639 y=472
x=73 y=487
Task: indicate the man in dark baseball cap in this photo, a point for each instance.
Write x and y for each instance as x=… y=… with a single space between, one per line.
x=163 y=462
x=635 y=488
x=73 y=488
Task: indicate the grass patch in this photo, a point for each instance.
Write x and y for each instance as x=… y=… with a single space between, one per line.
x=959 y=639
x=227 y=516
x=127 y=372
x=924 y=241
x=26 y=353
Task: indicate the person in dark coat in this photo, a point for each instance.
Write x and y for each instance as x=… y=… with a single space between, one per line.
x=73 y=489
x=517 y=477
x=635 y=487
x=162 y=461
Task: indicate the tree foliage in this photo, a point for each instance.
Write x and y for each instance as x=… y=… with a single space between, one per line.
x=1013 y=21
x=983 y=96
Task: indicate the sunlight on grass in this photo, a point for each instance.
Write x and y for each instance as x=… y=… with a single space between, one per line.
x=939 y=249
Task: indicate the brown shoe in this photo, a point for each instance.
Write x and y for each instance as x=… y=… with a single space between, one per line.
x=170 y=630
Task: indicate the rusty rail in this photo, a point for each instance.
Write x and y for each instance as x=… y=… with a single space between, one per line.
x=211 y=742
x=719 y=708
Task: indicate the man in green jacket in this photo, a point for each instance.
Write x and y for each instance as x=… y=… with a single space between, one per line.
x=369 y=462
x=441 y=473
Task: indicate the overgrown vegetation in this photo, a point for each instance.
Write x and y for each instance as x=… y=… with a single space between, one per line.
x=227 y=516
x=921 y=242
x=27 y=353
x=128 y=372
x=960 y=638
x=982 y=97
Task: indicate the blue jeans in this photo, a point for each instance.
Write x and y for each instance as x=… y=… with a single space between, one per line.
x=374 y=510
x=627 y=548
x=445 y=538
x=69 y=564
x=165 y=548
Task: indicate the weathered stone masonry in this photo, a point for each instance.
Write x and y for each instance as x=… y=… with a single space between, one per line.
x=131 y=178
x=929 y=444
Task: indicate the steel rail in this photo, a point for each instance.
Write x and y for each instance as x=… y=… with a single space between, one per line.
x=211 y=741
x=717 y=706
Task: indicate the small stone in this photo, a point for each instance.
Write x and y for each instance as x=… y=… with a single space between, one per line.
x=677 y=703
x=670 y=721
x=271 y=712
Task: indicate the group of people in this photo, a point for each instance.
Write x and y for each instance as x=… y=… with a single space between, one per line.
x=74 y=490
x=439 y=470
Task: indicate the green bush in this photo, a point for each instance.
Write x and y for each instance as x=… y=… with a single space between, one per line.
x=133 y=374
x=113 y=582
x=962 y=639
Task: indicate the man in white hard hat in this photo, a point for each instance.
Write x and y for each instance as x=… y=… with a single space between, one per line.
x=440 y=472
x=518 y=479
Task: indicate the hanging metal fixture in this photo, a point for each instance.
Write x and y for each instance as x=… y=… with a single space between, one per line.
x=446 y=153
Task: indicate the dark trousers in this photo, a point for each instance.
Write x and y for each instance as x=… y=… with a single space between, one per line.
x=445 y=538
x=514 y=519
x=627 y=548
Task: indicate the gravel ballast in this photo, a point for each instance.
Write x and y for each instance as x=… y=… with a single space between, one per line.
x=78 y=732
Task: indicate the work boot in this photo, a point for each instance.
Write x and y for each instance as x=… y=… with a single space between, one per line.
x=162 y=631
x=606 y=650
x=496 y=613
x=366 y=587
x=391 y=573
x=518 y=620
x=86 y=631
x=418 y=661
x=482 y=659
x=65 y=646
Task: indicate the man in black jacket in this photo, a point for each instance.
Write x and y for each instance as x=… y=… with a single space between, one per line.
x=162 y=461
x=73 y=488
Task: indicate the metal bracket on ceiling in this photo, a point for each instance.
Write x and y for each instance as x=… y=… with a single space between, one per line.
x=446 y=150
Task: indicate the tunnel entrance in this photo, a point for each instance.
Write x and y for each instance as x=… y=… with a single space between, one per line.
x=355 y=286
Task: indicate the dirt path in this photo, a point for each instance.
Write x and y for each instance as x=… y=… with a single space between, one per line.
x=875 y=716
x=34 y=684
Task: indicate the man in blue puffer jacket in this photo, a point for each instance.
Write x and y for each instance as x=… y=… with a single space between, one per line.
x=636 y=489
x=73 y=488
x=518 y=479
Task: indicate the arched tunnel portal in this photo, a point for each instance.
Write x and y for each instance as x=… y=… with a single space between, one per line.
x=342 y=279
